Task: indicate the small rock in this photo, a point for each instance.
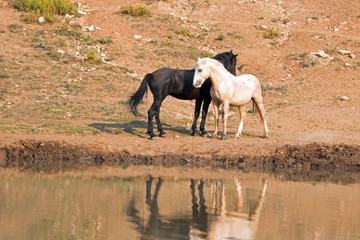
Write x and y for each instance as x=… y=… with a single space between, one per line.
x=344 y=52
x=347 y=65
x=41 y=19
x=263 y=27
x=322 y=54
x=344 y=98
x=137 y=36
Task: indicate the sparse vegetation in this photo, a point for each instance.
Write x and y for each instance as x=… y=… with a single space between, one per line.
x=15 y=27
x=185 y=32
x=265 y=87
x=241 y=67
x=220 y=37
x=105 y=40
x=234 y=34
x=4 y=75
x=140 y=11
x=285 y=21
x=310 y=63
x=46 y=8
x=272 y=33
x=303 y=55
x=90 y=55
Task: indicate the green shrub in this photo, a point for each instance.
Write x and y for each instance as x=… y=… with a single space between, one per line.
x=140 y=11
x=265 y=87
x=185 y=32
x=46 y=8
x=303 y=55
x=30 y=18
x=15 y=27
x=310 y=63
x=4 y=75
x=272 y=33
x=105 y=40
x=220 y=37
x=90 y=55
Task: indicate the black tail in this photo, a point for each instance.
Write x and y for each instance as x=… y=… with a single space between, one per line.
x=254 y=107
x=136 y=98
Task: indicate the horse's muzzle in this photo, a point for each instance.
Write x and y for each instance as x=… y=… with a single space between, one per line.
x=197 y=84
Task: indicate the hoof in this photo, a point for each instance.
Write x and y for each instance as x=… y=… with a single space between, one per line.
x=153 y=138
x=163 y=135
x=266 y=136
x=192 y=133
x=238 y=135
x=214 y=135
x=203 y=133
x=223 y=137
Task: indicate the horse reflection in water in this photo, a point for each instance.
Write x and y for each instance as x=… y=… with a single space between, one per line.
x=156 y=227
x=235 y=224
x=202 y=225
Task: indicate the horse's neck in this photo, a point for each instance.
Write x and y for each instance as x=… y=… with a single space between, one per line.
x=219 y=75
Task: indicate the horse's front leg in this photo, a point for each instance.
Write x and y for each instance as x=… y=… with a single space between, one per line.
x=224 y=119
x=242 y=111
x=196 y=115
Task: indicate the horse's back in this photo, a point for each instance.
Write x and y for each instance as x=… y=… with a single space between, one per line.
x=244 y=88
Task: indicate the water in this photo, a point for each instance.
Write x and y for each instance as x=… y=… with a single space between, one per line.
x=176 y=204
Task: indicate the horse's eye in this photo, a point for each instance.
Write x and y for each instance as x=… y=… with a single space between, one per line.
x=200 y=70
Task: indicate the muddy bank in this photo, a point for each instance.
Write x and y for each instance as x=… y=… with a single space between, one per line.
x=54 y=156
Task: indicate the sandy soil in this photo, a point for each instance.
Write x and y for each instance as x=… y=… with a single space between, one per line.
x=313 y=112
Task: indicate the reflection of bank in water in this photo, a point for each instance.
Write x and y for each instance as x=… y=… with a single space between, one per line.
x=180 y=204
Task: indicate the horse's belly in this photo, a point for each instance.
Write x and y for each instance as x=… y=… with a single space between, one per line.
x=240 y=99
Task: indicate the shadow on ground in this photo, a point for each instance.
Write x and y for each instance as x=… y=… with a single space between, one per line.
x=133 y=127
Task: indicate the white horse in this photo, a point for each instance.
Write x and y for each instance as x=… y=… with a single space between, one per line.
x=229 y=90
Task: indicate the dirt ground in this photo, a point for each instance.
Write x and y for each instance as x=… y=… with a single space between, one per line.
x=62 y=110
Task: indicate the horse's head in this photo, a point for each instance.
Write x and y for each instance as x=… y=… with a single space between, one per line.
x=202 y=72
x=228 y=59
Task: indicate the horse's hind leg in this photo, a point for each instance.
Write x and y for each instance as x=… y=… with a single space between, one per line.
x=158 y=123
x=260 y=106
x=154 y=110
x=242 y=112
x=198 y=103
x=216 y=111
x=150 y=121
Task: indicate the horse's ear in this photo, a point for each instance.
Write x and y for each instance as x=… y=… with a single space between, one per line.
x=236 y=55
x=231 y=51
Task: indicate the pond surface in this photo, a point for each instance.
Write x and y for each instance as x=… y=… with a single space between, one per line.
x=176 y=204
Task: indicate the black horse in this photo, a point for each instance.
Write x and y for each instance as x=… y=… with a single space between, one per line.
x=177 y=83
